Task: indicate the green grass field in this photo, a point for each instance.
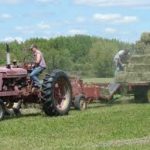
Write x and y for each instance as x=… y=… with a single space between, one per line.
x=117 y=126
x=122 y=125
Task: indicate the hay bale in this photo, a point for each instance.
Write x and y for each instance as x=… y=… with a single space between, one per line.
x=138 y=68
x=137 y=59
x=147 y=49
x=147 y=59
x=129 y=77
x=146 y=76
x=132 y=77
x=120 y=77
x=140 y=59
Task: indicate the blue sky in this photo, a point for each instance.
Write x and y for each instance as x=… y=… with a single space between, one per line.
x=121 y=19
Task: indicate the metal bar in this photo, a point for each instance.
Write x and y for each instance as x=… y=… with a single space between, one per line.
x=9 y=93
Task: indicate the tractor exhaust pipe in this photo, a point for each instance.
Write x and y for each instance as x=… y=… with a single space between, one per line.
x=8 y=56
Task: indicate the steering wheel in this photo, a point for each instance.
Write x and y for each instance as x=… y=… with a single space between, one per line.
x=28 y=63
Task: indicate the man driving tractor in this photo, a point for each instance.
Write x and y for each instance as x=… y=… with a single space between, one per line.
x=38 y=67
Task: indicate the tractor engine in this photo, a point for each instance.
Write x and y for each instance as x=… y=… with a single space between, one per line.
x=10 y=83
x=15 y=85
x=13 y=81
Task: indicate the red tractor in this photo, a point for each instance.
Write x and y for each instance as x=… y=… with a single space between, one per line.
x=16 y=87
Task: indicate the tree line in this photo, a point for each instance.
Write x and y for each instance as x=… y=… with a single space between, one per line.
x=143 y=45
x=80 y=54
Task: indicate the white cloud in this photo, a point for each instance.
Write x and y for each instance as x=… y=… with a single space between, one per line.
x=25 y=29
x=11 y=39
x=109 y=3
x=47 y=1
x=77 y=31
x=106 y=17
x=80 y=19
x=5 y=16
x=110 y=30
x=40 y=28
x=10 y=1
x=114 y=18
x=128 y=19
x=43 y=26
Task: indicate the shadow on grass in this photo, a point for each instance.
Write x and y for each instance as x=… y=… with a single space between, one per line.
x=115 y=101
x=10 y=117
x=30 y=114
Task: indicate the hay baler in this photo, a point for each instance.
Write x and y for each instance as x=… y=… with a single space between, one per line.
x=85 y=93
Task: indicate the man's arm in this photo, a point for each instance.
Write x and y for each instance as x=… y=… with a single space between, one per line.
x=121 y=55
x=119 y=61
x=38 y=59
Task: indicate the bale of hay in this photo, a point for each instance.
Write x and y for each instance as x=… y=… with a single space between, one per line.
x=138 y=68
x=146 y=77
x=129 y=77
x=132 y=77
x=140 y=59
x=147 y=49
x=120 y=77
x=137 y=59
x=147 y=59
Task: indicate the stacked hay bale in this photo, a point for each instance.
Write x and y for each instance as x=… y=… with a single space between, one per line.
x=136 y=71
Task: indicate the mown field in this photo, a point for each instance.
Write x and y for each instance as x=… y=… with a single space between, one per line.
x=114 y=127
x=122 y=125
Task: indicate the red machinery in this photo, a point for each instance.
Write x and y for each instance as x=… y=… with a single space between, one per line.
x=84 y=93
x=16 y=87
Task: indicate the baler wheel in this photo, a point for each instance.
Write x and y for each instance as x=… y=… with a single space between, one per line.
x=80 y=103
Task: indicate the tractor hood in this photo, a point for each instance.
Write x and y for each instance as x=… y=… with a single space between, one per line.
x=13 y=72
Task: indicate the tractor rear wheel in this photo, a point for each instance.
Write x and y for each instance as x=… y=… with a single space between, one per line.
x=80 y=103
x=56 y=94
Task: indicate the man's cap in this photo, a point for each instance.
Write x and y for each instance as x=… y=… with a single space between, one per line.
x=33 y=46
x=14 y=60
x=126 y=50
